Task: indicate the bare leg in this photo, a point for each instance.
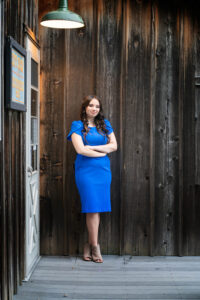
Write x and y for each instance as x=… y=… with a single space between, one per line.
x=92 y=221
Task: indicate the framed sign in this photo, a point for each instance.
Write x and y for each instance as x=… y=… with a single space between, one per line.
x=15 y=66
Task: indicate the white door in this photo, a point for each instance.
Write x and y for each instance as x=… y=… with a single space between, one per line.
x=32 y=159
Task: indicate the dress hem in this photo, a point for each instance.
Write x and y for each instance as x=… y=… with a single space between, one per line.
x=100 y=211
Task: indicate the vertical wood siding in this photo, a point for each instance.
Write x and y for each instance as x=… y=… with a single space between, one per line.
x=141 y=58
x=15 y=14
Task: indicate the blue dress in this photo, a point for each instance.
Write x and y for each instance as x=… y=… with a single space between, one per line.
x=92 y=174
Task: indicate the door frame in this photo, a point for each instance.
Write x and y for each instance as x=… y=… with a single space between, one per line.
x=31 y=40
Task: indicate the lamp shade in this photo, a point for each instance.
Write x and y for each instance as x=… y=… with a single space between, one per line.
x=62 y=18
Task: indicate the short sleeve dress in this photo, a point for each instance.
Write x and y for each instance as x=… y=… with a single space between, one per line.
x=92 y=174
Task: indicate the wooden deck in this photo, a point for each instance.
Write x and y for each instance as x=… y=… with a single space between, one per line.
x=119 y=277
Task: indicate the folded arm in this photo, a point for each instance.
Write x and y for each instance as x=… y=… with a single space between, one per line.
x=82 y=149
x=108 y=148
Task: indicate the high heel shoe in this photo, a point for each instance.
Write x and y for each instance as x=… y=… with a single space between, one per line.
x=96 y=254
x=87 y=252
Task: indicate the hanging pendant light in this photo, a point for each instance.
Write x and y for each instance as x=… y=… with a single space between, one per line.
x=62 y=18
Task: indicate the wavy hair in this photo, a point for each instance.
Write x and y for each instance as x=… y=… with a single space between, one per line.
x=98 y=120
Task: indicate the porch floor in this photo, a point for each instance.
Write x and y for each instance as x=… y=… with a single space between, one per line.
x=119 y=277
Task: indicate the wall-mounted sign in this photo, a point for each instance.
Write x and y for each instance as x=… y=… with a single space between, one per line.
x=15 y=75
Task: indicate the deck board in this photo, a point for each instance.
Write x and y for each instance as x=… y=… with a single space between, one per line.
x=119 y=277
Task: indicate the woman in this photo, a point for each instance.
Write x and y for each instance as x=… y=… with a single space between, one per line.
x=93 y=138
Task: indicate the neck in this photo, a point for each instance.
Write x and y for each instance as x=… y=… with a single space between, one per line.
x=90 y=120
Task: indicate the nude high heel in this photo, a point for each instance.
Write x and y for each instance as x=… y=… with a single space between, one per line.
x=96 y=254
x=87 y=252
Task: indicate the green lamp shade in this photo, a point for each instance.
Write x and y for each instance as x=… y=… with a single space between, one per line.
x=62 y=18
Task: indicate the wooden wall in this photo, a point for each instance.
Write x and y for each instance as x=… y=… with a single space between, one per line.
x=12 y=193
x=141 y=58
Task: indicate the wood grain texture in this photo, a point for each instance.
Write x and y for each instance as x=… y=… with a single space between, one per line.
x=119 y=277
x=166 y=131
x=152 y=133
x=139 y=57
x=3 y=206
x=52 y=133
x=107 y=86
x=136 y=128
x=12 y=200
x=197 y=132
x=189 y=212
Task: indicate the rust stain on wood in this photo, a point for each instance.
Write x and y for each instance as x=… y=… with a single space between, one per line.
x=188 y=34
x=47 y=6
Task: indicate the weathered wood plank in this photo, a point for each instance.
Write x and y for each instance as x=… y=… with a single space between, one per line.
x=131 y=297
x=180 y=125
x=136 y=128
x=107 y=86
x=139 y=57
x=151 y=278
x=12 y=162
x=3 y=204
x=52 y=135
x=9 y=206
x=197 y=135
x=166 y=131
x=21 y=198
x=15 y=206
x=189 y=211
x=152 y=134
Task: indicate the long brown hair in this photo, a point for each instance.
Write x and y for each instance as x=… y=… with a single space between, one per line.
x=98 y=120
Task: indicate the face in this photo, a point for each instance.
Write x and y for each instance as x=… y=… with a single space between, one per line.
x=93 y=108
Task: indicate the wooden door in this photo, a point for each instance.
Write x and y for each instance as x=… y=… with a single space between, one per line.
x=32 y=159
